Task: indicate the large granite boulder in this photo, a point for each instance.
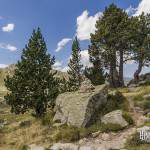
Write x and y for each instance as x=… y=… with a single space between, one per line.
x=79 y=109
x=114 y=117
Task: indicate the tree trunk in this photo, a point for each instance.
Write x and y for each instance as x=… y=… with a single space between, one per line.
x=114 y=79
x=138 y=71
x=121 y=80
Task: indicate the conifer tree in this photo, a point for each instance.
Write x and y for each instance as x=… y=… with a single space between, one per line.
x=112 y=39
x=75 y=67
x=141 y=49
x=32 y=86
x=95 y=73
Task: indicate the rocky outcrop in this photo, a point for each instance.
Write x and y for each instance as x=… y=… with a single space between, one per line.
x=114 y=117
x=143 y=80
x=86 y=86
x=79 y=109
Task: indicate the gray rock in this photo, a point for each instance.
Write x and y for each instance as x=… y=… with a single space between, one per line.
x=114 y=117
x=96 y=134
x=147 y=96
x=144 y=128
x=142 y=120
x=83 y=141
x=35 y=147
x=148 y=114
x=58 y=124
x=86 y=86
x=79 y=109
x=132 y=85
x=26 y=123
x=86 y=148
x=105 y=137
x=3 y=122
x=66 y=146
x=143 y=79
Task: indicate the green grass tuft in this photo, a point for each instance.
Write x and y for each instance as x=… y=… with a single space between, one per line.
x=128 y=118
x=114 y=102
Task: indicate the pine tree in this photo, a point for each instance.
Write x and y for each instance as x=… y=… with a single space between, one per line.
x=75 y=67
x=110 y=39
x=141 y=49
x=95 y=73
x=32 y=85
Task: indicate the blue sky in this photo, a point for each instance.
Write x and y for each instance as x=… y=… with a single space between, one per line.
x=59 y=20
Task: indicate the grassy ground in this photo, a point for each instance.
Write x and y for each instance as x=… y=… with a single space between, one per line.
x=40 y=131
x=137 y=96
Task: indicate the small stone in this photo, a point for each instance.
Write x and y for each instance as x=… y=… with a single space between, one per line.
x=148 y=115
x=96 y=134
x=144 y=128
x=66 y=146
x=114 y=117
x=86 y=148
x=25 y=123
x=3 y=122
x=147 y=96
x=35 y=147
x=82 y=141
x=58 y=124
x=105 y=137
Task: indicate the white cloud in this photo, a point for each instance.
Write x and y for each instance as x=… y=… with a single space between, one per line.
x=8 y=28
x=58 y=65
x=85 y=58
x=86 y=25
x=65 y=69
x=3 y=65
x=62 y=44
x=131 y=10
x=130 y=62
x=144 y=6
x=8 y=47
x=84 y=61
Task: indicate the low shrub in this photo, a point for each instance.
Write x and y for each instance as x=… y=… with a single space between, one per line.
x=66 y=134
x=135 y=140
x=71 y=134
x=85 y=132
x=114 y=102
x=135 y=143
x=128 y=118
x=47 y=119
x=146 y=104
x=25 y=123
x=138 y=98
x=110 y=127
x=23 y=147
x=146 y=83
